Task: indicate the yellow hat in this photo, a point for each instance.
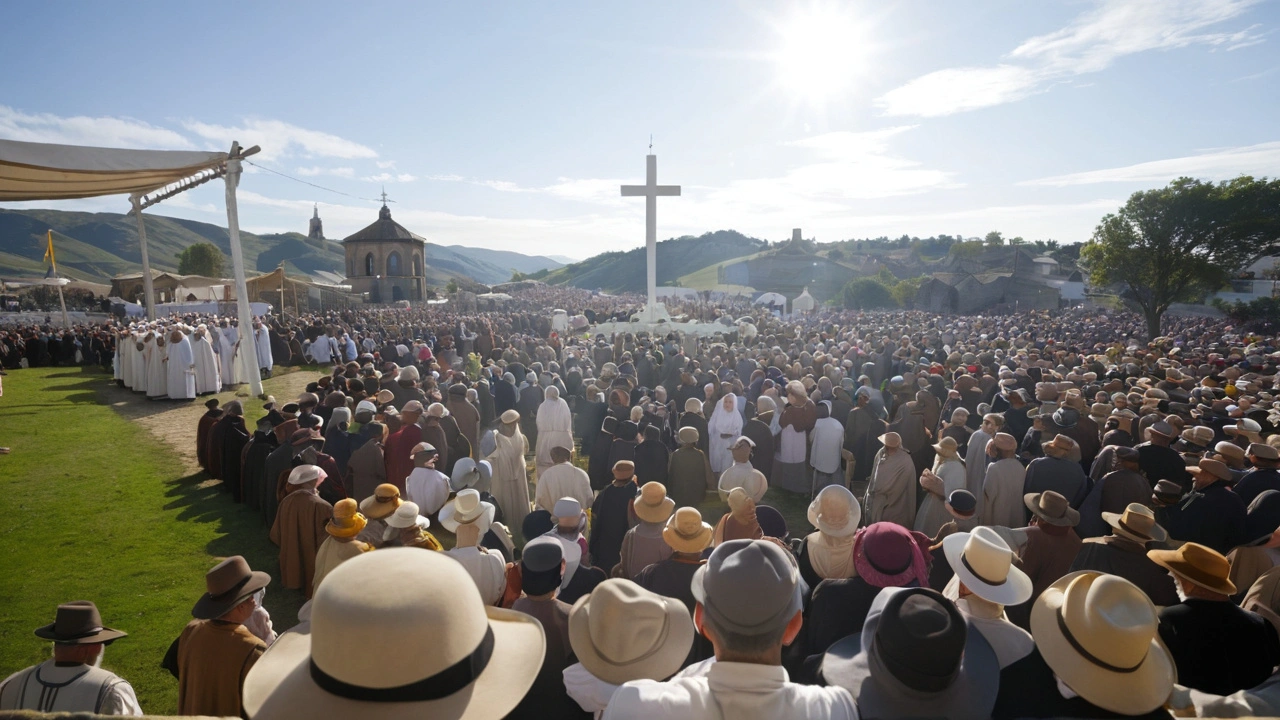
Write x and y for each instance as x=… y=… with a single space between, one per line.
x=347 y=522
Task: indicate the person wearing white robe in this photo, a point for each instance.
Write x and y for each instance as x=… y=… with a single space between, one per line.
x=976 y=454
x=180 y=369
x=724 y=428
x=124 y=357
x=947 y=476
x=510 y=481
x=827 y=439
x=262 y=343
x=231 y=372
x=1002 y=501
x=138 y=363
x=555 y=428
x=117 y=357
x=208 y=379
x=157 y=377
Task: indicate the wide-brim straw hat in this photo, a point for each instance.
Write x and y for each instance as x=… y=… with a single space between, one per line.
x=1197 y=564
x=399 y=633
x=384 y=501
x=653 y=505
x=984 y=563
x=686 y=532
x=833 y=522
x=347 y=522
x=890 y=440
x=622 y=632
x=1136 y=523
x=1098 y=633
x=465 y=508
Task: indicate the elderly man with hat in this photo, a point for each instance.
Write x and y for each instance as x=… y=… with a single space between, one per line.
x=742 y=473
x=610 y=515
x=510 y=480
x=562 y=479
x=367 y=467
x=985 y=581
x=1158 y=460
x=750 y=598
x=916 y=656
x=342 y=543
x=1049 y=545
x=376 y=508
x=215 y=652
x=580 y=577
x=689 y=475
x=1125 y=485
x=72 y=681
x=427 y=486
x=1097 y=655
x=299 y=528
x=407 y=527
x=425 y=645
x=947 y=476
x=760 y=430
x=1210 y=514
x=1265 y=475
x=1218 y=647
x=1059 y=470
x=891 y=494
x=861 y=430
x=542 y=567
x=1124 y=553
x=827 y=552
x=1002 y=489
x=469 y=519
x=643 y=545
x=622 y=632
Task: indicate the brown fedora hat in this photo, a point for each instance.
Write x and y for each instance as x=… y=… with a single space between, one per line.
x=78 y=623
x=228 y=584
x=1052 y=507
x=1197 y=564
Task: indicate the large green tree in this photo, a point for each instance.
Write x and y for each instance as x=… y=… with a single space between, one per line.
x=1178 y=242
x=201 y=258
x=866 y=294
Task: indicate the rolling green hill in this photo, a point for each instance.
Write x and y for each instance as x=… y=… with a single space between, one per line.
x=625 y=271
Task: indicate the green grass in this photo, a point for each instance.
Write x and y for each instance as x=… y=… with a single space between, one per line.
x=95 y=508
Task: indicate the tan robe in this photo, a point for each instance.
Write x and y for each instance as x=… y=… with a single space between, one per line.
x=510 y=484
x=299 y=531
x=213 y=659
x=891 y=495
x=332 y=553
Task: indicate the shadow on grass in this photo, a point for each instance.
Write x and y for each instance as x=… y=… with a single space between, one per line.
x=241 y=531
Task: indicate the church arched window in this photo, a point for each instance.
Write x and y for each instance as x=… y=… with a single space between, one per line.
x=368 y=264
x=417 y=265
x=393 y=264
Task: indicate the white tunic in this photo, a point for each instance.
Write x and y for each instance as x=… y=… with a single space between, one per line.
x=262 y=343
x=180 y=371
x=208 y=379
x=157 y=380
x=555 y=428
x=563 y=480
x=231 y=372
x=428 y=488
x=486 y=567
x=79 y=688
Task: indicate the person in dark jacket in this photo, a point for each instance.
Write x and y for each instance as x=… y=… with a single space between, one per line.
x=1124 y=553
x=255 y=463
x=759 y=430
x=1264 y=476
x=1218 y=647
x=611 y=516
x=207 y=420
x=652 y=457
x=1210 y=514
x=692 y=417
x=689 y=475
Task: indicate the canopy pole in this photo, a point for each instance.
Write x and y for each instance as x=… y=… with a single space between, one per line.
x=148 y=290
x=66 y=321
x=248 y=347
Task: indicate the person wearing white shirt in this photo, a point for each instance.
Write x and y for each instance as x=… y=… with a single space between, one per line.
x=563 y=479
x=426 y=486
x=742 y=473
x=985 y=582
x=827 y=439
x=750 y=601
x=485 y=566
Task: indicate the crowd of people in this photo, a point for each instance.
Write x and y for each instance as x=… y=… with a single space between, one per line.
x=1034 y=515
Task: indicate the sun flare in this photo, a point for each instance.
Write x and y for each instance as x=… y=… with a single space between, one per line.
x=822 y=52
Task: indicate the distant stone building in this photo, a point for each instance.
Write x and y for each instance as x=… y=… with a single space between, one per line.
x=385 y=261
x=316 y=231
x=790 y=269
x=967 y=293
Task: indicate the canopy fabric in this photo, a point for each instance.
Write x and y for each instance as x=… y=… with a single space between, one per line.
x=42 y=171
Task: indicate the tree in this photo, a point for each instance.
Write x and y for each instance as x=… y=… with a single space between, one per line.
x=904 y=292
x=1180 y=241
x=994 y=238
x=835 y=254
x=516 y=276
x=866 y=294
x=452 y=286
x=201 y=258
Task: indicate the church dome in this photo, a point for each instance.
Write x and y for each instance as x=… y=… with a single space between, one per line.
x=385 y=229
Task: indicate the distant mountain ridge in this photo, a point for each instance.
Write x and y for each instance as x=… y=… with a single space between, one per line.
x=99 y=246
x=625 y=271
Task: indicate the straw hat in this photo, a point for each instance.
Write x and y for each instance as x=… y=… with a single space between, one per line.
x=835 y=512
x=465 y=508
x=406 y=516
x=890 y=440
x=78 y=623
x=510 y=416
x=1137 y=523
x=624 y=470
x=622 y=632
x=653 y=505
x=228 y=584
x=383 y=502
x=984 y=563
x=1097 y=632
x=1199 y=435
x=737 y=499
x=399 y=633
x=1052 y=508
x=347 y=522
x=436 y=410
x=687 y=435
x=1197 y=564
x=947 y=447
x=685 y=532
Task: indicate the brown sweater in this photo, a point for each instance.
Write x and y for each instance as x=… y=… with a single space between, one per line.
x=213 y=659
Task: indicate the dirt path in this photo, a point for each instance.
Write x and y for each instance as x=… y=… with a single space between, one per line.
x=175 y=423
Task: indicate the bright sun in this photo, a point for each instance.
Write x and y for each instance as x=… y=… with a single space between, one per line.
x=822 y=52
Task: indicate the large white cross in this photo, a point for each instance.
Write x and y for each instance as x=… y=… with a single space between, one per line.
x=651 y=191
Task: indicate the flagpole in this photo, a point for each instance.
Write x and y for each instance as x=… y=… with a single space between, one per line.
x=66 y=321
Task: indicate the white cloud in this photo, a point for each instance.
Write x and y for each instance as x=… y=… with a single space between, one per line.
x=1091 y=43
x=386 y=164
x=121 y=132
x=281 y=139
x=317 y=170
x=1217 y=164
x=390 y=178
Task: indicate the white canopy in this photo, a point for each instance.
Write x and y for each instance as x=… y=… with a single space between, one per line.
x=41 y=171
x=771 y=298
x=804 y=302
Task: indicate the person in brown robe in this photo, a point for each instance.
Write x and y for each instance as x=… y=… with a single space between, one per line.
x=216 y=651
x=740 y=522
x=207 y=420
x=367 y=469
x=464 y=413
x=1051 y=548
x=433 y=433
x=299 y=528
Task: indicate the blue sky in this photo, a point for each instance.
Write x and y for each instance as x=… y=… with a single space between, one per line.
x=511 y=125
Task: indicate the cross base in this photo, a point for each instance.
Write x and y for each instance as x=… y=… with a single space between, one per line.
x=652 y=315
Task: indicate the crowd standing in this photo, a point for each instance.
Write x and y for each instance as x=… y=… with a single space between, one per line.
x=1033 y=515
